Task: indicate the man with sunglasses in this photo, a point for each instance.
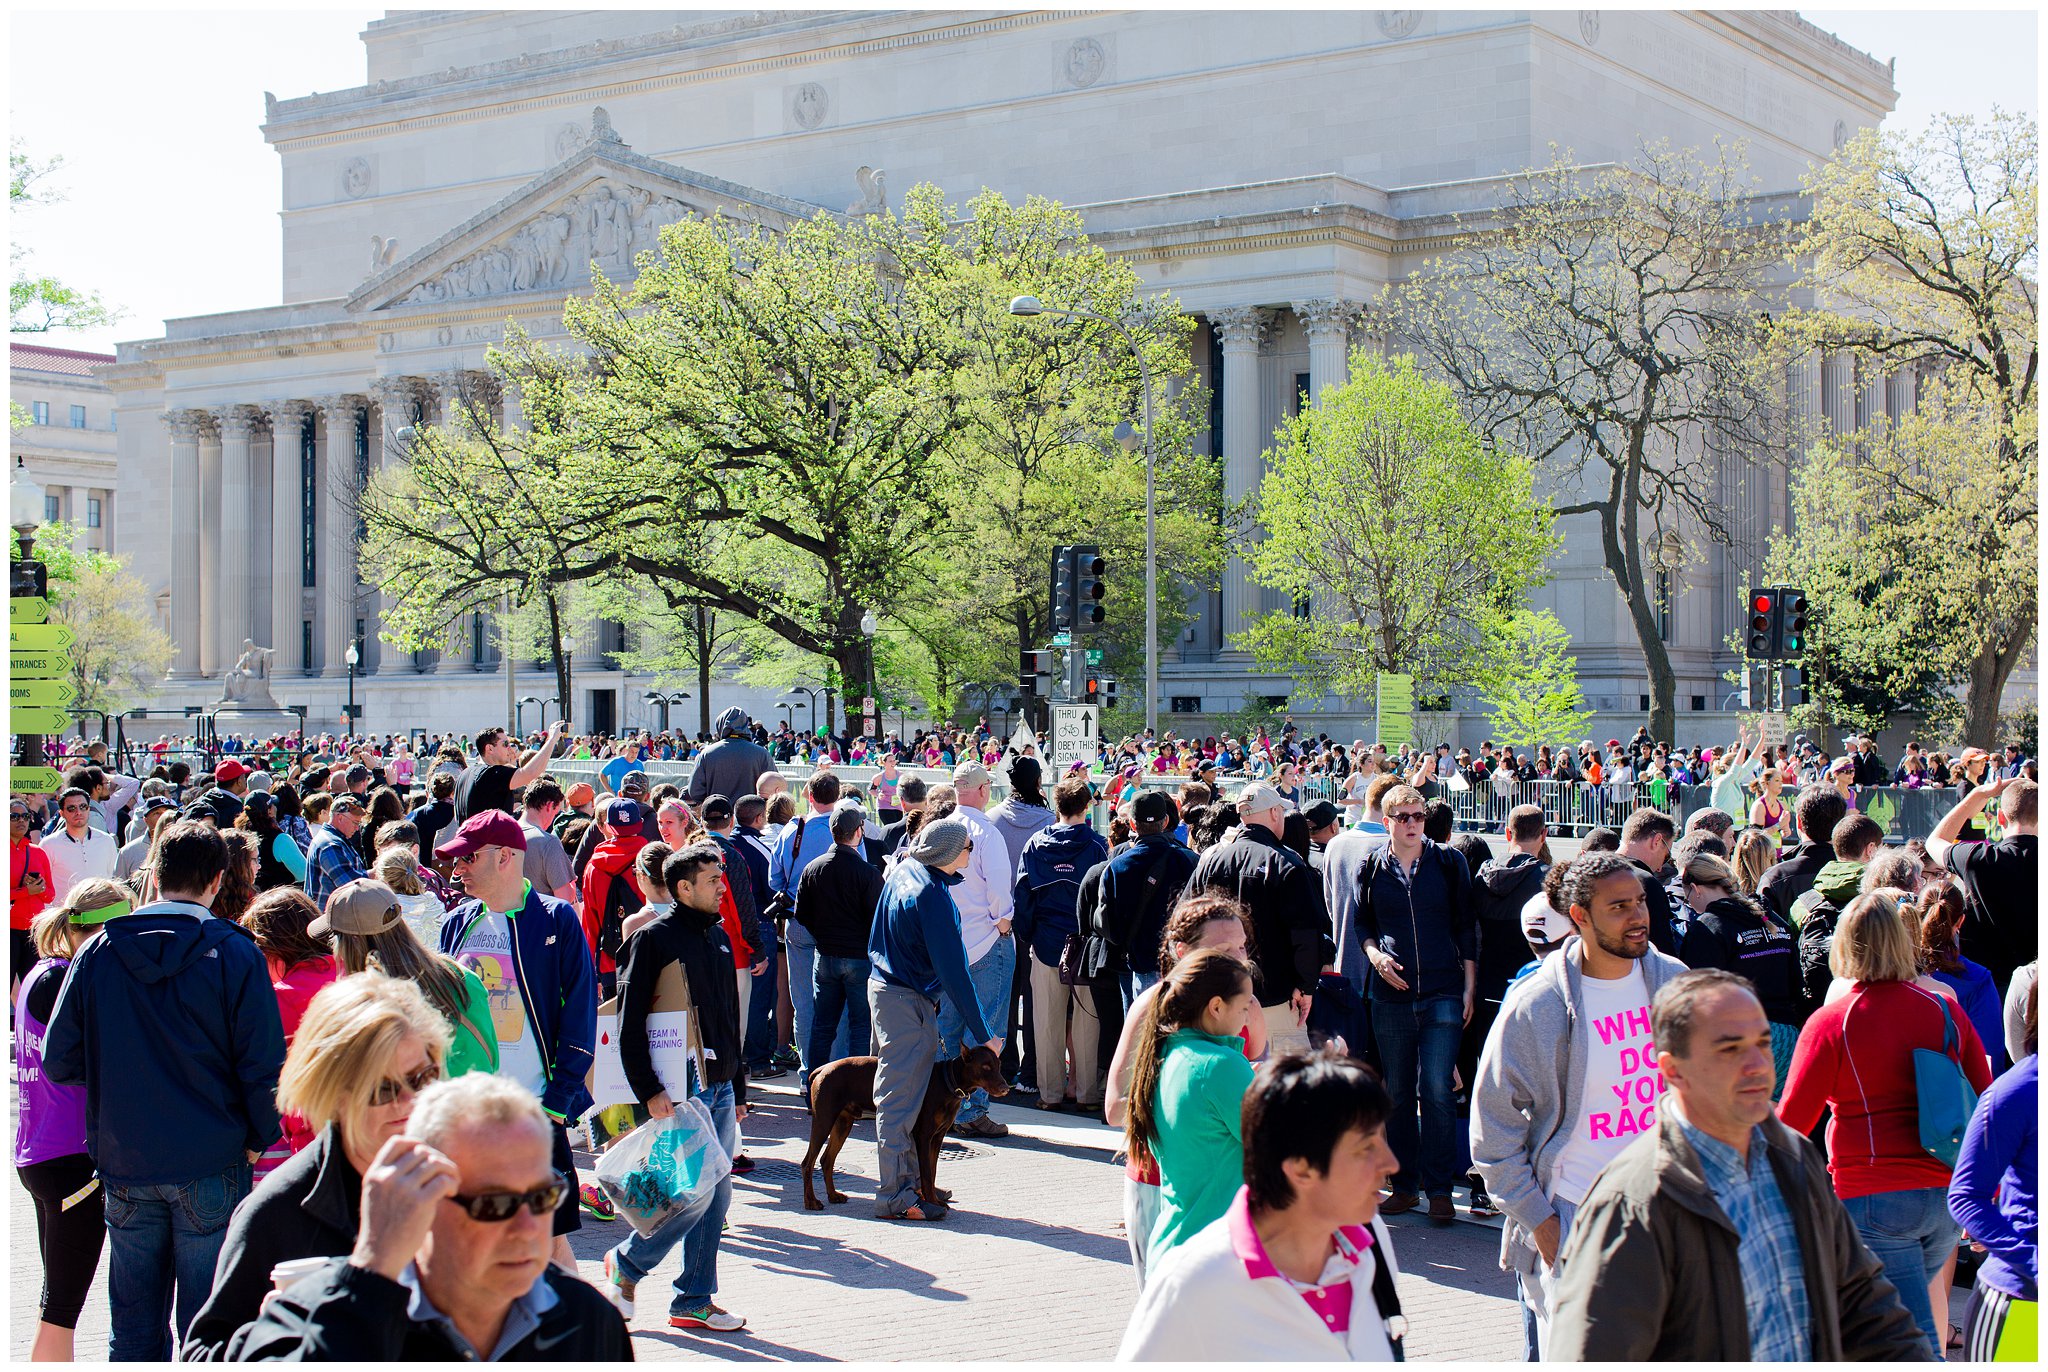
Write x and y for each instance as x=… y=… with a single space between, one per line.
x=1417 y=924
x=75 y=849
x=451 y=1254
x=529 y=951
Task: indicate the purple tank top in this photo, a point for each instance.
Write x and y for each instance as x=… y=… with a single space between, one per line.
x=52 y=1120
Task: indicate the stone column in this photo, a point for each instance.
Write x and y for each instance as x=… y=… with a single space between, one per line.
x=1837 y=393
x=238 y=425
x=336 y=561
x=1242 y=328
x=209 y=549
x=184 y=427
x=287 y=532
x=1328 y=325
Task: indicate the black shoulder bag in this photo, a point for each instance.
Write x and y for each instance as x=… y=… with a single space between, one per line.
x=1091 y=958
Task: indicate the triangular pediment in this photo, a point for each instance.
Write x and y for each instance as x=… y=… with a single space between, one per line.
x=605 y=203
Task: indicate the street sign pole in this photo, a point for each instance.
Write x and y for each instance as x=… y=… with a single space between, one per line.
x=28 y=612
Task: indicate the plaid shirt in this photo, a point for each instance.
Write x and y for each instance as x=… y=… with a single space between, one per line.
x=331 y=864
x=1773 y=1276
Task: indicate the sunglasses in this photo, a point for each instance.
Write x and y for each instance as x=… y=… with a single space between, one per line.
x=389 y=1090
x=495 y=1207
x=468 y=858
x=18 y=816
x=1407 y=817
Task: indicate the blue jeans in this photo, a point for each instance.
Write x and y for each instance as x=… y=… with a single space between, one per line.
x=161 y=1241
x=803 y=959
x=992 y=988
x=1135 y=984
x=761 y=1018
x=697 y=1282
x=840 y=989
x=1418 y=1045
x=1911 y=1233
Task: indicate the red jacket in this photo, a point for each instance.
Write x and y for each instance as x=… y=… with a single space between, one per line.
x=612 y=860
x=22 y=906
x=1856 y=1058
x=729 y=916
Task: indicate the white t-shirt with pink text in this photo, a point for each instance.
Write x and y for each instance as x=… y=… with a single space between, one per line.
x=1622 y=1081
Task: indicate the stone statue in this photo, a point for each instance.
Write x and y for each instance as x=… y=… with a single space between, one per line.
x=874 y=192
x=248 y=681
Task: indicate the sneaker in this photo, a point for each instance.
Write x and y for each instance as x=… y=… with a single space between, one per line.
x=742 y=1164
x=767 y=1073
x=618 y=1290
x=784 y=1057
x=986 y=1127
x=1441 y=1211
x=1400 y=1203
x=708 y=1316
x=595 y=1203
x=1482 y=1204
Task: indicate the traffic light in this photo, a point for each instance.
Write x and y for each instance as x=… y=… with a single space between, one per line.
x=1062 y=588
x=1796 y=692
x=1763 y=606
x=1034 y=671
x=1090 y=584
x=1091 y=690
x=1109 y=693
x=1792 y=616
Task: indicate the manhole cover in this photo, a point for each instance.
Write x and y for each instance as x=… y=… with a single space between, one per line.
x=963 y=1152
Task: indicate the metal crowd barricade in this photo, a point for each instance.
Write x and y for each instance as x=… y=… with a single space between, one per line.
x=1571 y=808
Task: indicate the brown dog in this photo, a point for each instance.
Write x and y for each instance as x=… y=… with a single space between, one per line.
x=844 y=1091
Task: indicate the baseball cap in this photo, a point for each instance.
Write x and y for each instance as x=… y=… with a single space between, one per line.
x=1541 y=924
x=155 y=803
x=582 y=793
x=1258 y=798
x=1614 y=743
x=1151 y=807
x=970 y=774
x=361 y=907
x=492 y=828
x=633 y=783
x=622 y=813
x=717 y=809
x=229 y=771
x=1320 y=815
x=357 y=773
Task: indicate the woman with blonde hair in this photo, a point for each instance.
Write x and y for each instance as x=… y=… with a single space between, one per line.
x=49 y=1128
x=366 y=1048
x=423 y=910
x=1856 y=1058
x=1756 y=852
x=369 y=932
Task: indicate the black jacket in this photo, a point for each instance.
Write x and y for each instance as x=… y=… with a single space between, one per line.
x=1787 y=881
x=1732 y=934
x=308 y=1208
x=1663 y=934
x=1289 y=920
x=169 y=1020
x=758 y=930
x=1136 y=895
x=836 y=898
x=351 y=1314
x=1425 y=922
x=1499 y=892
x=698 y=942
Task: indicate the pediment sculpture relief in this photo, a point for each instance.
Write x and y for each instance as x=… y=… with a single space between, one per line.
x=606 y=224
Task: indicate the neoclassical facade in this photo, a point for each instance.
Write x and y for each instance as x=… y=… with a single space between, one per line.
x=1273 y=171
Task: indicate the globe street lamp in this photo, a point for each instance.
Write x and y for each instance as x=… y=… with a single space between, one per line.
x=352 y=657
x=24 y=506
x=665 y=699
x=1029 y=306
x=869 y=716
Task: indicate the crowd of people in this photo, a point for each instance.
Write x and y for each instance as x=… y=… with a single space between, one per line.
x=269 y=1014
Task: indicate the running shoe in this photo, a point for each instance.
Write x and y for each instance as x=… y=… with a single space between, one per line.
x=742 y=1164
x=1482 y=1204
x=595 y=1203
x=618 y=1290
x=708 y=1316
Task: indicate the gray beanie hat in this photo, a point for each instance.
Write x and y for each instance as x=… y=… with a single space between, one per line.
x=939 y=842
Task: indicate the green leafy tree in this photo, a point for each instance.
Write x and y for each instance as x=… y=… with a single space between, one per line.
x=1916 y=541
x=1531 y=680
x=1604 y=321
x=1399 y=533
x=120 y=655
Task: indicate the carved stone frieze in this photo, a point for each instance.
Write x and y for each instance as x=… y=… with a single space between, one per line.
x=606 y=224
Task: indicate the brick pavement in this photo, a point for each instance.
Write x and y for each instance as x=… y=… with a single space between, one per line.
x=1032 y=1263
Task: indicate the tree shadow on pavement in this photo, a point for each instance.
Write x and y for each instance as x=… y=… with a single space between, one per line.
x=799 y=1253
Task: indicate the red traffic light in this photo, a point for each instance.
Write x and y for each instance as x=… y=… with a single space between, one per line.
x=1760 y=603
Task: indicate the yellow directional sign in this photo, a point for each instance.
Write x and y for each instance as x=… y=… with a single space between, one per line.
x=37 y=719
x=55 y=638
x=27 y=609
x=34 y=781
x=38 y=665
x=58 y=694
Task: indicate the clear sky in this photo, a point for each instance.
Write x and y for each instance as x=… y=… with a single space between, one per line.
x=171 y=194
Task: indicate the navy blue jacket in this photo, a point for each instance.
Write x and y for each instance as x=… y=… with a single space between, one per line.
x=1427 y=922
x=1130 y=901
x=169 y=1021
x=551 y=959
x=915 y=943
x=1048 y=883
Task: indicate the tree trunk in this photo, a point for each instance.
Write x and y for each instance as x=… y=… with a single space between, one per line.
x=1623 y=556
x=561 y=659
x=1989 y=671
x=707 y=628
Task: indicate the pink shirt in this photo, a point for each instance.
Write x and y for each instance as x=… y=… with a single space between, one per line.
x=1330 y=1295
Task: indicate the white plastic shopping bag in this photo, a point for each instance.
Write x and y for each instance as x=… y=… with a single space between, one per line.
x=666 y=1170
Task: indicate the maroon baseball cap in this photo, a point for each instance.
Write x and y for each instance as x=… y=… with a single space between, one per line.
x=492 y=827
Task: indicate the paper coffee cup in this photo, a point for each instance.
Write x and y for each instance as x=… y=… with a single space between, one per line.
x=285 y=1273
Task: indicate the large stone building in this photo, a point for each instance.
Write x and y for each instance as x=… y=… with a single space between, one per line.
x=68 y=443
x=1272 y=170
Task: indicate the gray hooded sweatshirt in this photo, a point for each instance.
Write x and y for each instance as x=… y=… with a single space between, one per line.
x=1532 y=1080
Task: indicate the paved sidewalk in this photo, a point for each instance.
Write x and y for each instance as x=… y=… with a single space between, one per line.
x=1031 y=1265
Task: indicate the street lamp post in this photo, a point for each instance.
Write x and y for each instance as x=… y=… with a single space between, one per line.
x=665 y=699
x=352 y=657
x=1028 y=306
x=869 y=720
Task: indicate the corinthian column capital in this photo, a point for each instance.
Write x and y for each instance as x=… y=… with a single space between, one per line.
x=238 y=421
x=187 y=426
x=1326 y=321
x=1242 y=327
x=288 y=414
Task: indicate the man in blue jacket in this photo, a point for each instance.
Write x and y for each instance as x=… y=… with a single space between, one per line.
x=529 y=951
x=915 y=950
x=168 y=1020
x=1049 y=876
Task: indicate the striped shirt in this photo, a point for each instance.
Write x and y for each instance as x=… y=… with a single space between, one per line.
x=1773 y=1275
